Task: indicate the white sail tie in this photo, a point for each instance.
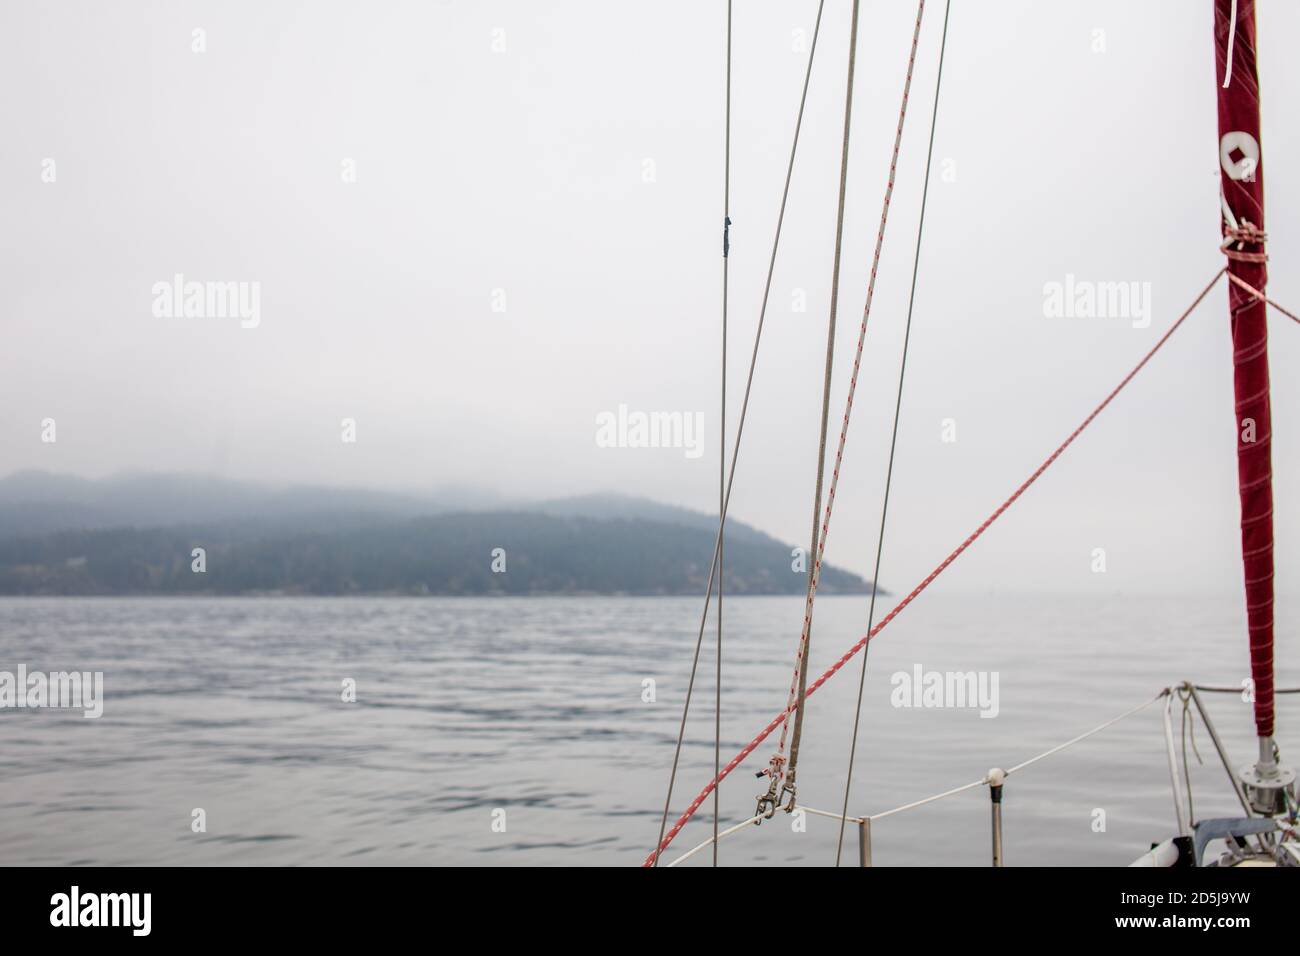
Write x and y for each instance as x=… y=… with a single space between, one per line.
x=1232 y=37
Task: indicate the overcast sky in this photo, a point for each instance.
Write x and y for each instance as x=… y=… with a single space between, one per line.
x=570 y=155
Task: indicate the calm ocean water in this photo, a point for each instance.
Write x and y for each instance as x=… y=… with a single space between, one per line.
x=467 y=707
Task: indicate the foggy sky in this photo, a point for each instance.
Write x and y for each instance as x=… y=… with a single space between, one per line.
x=524 y=170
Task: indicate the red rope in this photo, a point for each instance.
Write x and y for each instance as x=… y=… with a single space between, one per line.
x=1242 y=283
x=884 y=622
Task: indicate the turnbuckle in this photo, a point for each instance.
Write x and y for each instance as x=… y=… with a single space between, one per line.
x=767 y=804
x=788 y=788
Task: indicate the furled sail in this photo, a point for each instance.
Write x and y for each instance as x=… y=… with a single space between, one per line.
x=1242 y=177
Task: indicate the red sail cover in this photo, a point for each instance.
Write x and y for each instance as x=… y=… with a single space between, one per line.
x=1242 y=176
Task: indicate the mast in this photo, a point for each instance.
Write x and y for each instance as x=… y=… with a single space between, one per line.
x=1242 y=180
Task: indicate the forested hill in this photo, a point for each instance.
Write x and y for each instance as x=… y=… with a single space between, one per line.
x=373 y=545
